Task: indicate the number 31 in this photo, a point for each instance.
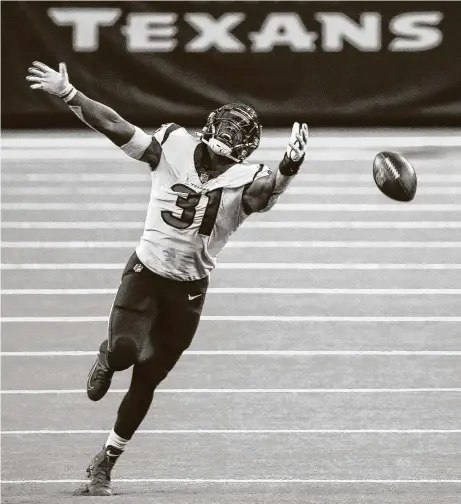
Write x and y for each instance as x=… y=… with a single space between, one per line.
x=188 y=204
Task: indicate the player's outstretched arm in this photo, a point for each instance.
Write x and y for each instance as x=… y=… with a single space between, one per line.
x=131 y=139
x=264 y=192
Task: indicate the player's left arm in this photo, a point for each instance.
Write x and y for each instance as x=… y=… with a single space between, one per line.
x=264 y=192
x=131 y=139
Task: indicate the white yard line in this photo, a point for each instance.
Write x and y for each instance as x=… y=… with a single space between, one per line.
x=280 y=207
x=237 y=431
x=262 y=353
x=248 y=391
x=247 y=318
x=145 y=189
x=248 y=481
x=351 y=190
x=247 y=224
x=72 y=225
x=249 y=290
x=240 y=244
x=36 y=320
x=246 y=266
x=71 y=244
x=71 y=140
x=110 y=153
x=114 y=176
x=65 y=266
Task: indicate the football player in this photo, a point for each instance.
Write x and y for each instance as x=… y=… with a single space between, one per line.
x=202 y=191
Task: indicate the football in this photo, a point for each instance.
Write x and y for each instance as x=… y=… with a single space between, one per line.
x=395 y=176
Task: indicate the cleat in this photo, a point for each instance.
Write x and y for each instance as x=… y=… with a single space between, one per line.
x=99 y=473
x=100 y=376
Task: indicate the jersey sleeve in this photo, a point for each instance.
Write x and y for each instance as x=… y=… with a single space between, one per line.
x=141 y=141
x=137 y=144
x=164 y=132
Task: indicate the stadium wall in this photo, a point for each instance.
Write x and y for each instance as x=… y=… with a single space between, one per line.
x=329 y=63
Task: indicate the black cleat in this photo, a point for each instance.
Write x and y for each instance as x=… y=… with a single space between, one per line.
x=99 y=473
x=100 y=376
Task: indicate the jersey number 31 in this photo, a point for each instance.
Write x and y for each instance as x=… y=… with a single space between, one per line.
x=188 y=204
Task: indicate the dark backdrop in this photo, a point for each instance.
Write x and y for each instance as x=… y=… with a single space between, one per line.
x=329 y=63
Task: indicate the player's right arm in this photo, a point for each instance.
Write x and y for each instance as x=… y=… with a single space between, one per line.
x=131 y=139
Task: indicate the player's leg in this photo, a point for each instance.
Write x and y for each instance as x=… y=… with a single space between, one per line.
x=177 y=323
x=180 y=306
x=131 y=317
x=132 y=410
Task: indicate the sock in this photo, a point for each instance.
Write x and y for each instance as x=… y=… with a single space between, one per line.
x=116 y=441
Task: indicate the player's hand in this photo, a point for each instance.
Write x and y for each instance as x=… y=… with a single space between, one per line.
x=297 y=143
x=45 y=78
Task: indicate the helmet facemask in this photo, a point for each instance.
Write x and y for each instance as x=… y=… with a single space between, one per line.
x=232 y=131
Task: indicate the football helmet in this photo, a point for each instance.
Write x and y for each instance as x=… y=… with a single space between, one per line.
x=233 y=131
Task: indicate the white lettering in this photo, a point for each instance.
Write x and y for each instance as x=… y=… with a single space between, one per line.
x=147 y=32
x=283 y=28
x=414 y=33
x=215 y=32
x=85 y=23
x=337 y=28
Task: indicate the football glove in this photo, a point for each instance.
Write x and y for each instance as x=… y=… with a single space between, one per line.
x=297 y=143
x=47 y=79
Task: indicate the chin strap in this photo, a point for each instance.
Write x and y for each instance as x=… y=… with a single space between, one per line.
x=220 y=148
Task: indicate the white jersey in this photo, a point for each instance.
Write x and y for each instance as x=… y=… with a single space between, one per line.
x=189 y=221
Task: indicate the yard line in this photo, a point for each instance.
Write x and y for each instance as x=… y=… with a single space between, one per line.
x=76 y=177
x=109 y=153
x=73 y=225
x=51 y=190
x=267 y=141
x=35 y=320
x=241 y=244
x=144 y=190
x=248 y=391
x=347 y=141
x=71 y=244
x=339 y=266
x=441 y=179
x=356 y=190
x=262 y=353
x=60 y=292
x=353 y=224
x=367 y=207
x=246 y=481
x=74 y=206
x=248 y=290
x=245 y=318
x=246 y=224
x=281 y=207
x=65 y=266
x=246 y=266
x=113 y=176
x=237 y=431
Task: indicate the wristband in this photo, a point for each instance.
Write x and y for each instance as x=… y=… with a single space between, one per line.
x=68 y=93
x=288 y=167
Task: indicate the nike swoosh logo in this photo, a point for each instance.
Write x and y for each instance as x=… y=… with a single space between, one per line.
x=110 y=454
x=193 y=297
